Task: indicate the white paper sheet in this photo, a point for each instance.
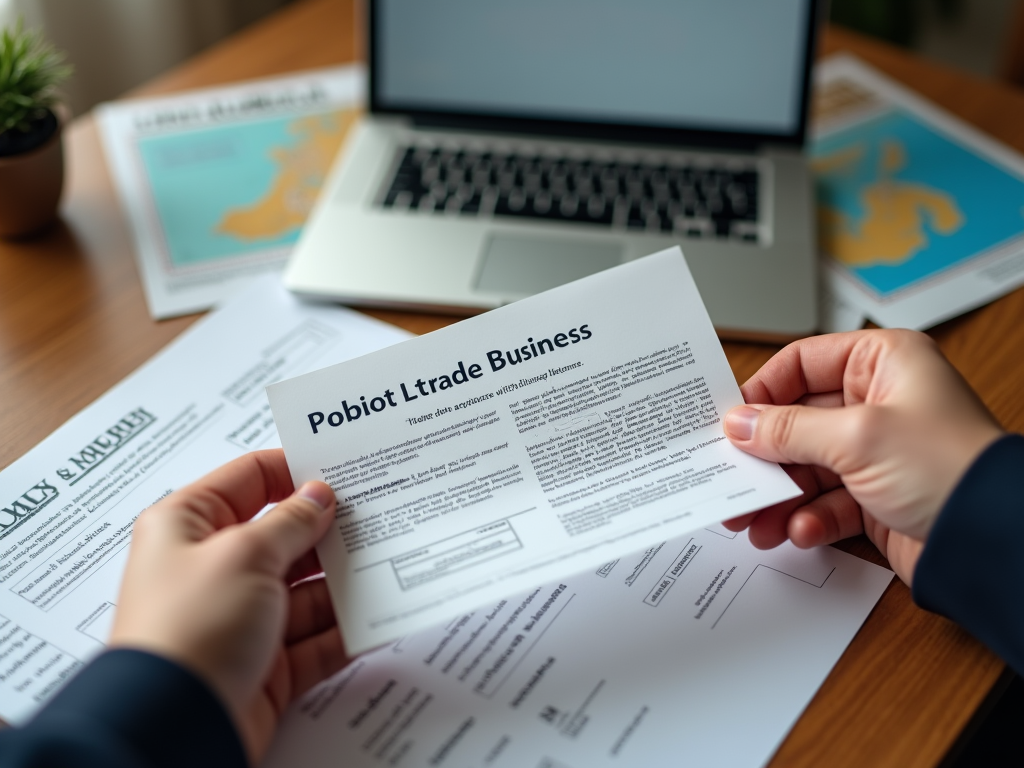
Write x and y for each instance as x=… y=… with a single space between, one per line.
x=520 y=446
x=919 y=212
x=697 y=651
x=217 y=183
x=67 y=507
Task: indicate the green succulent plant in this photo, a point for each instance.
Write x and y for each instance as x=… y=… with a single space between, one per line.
x=30 y=72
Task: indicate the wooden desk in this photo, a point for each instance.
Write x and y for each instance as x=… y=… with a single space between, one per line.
x=73 y=322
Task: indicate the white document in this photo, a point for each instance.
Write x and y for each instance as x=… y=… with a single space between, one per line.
x=919 y=213
x=216 y=184
x=698 y=651
x=520 y=446
x=67 y=507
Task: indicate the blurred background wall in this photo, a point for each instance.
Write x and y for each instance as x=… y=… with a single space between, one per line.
x=117 y=44
x=975 y=35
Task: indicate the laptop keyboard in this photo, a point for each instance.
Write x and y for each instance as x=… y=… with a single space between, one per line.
x=708 y=201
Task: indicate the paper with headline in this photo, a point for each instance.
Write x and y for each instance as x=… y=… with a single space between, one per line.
x=520 y=446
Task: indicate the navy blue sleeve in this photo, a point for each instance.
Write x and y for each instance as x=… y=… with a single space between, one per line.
x=127 y=709
x=972 y=566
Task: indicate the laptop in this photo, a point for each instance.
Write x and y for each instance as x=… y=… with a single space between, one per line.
x=511 y=147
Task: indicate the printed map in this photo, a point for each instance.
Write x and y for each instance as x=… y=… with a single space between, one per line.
x=235 y=189
x=899 y=202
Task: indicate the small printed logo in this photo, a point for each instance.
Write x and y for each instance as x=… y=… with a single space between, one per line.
x=25 y=506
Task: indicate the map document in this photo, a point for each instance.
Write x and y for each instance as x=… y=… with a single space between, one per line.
x=920 y=216
x=216 y=184
x=520 y=446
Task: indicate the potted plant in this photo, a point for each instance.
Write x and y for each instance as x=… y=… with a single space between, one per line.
x=31 y=156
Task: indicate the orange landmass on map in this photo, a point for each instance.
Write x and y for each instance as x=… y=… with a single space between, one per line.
x=896 y=212
x=302 y=169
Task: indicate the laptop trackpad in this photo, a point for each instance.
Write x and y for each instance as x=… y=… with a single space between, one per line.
x=529 y=264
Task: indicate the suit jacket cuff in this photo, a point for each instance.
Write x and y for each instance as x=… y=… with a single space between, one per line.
x=972 y=566
x=146 y=709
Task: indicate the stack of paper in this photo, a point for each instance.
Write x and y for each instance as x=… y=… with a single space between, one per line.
x=534 y=493
x=674 y=642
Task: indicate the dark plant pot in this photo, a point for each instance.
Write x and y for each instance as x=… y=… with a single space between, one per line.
x=30 y=185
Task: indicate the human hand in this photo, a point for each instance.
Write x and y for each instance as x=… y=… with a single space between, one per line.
x=877 y=429
x=218 y=595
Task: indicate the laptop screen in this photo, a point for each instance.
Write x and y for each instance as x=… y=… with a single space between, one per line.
x=688 y=66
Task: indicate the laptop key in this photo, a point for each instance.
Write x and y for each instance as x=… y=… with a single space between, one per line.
x=516 y=201
x=636 y=219
x=472 y=205
x=488 y=200
x=402 y=199
x=568 y=205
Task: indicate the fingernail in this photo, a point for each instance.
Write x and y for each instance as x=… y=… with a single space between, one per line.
x=740 y=422
x=319 y=493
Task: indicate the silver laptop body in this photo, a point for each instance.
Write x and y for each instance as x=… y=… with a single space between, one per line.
x=512 y=147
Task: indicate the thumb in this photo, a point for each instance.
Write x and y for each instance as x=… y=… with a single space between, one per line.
x=789 y=434
x=294 y=526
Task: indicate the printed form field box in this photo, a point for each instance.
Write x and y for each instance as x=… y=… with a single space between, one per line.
x=455 y=553
x=680 y=564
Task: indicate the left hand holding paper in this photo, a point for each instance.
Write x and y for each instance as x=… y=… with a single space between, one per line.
x=234 y=602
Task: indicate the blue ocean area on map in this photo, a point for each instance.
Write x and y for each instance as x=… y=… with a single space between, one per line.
x=900 y=202
x=197 y=177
